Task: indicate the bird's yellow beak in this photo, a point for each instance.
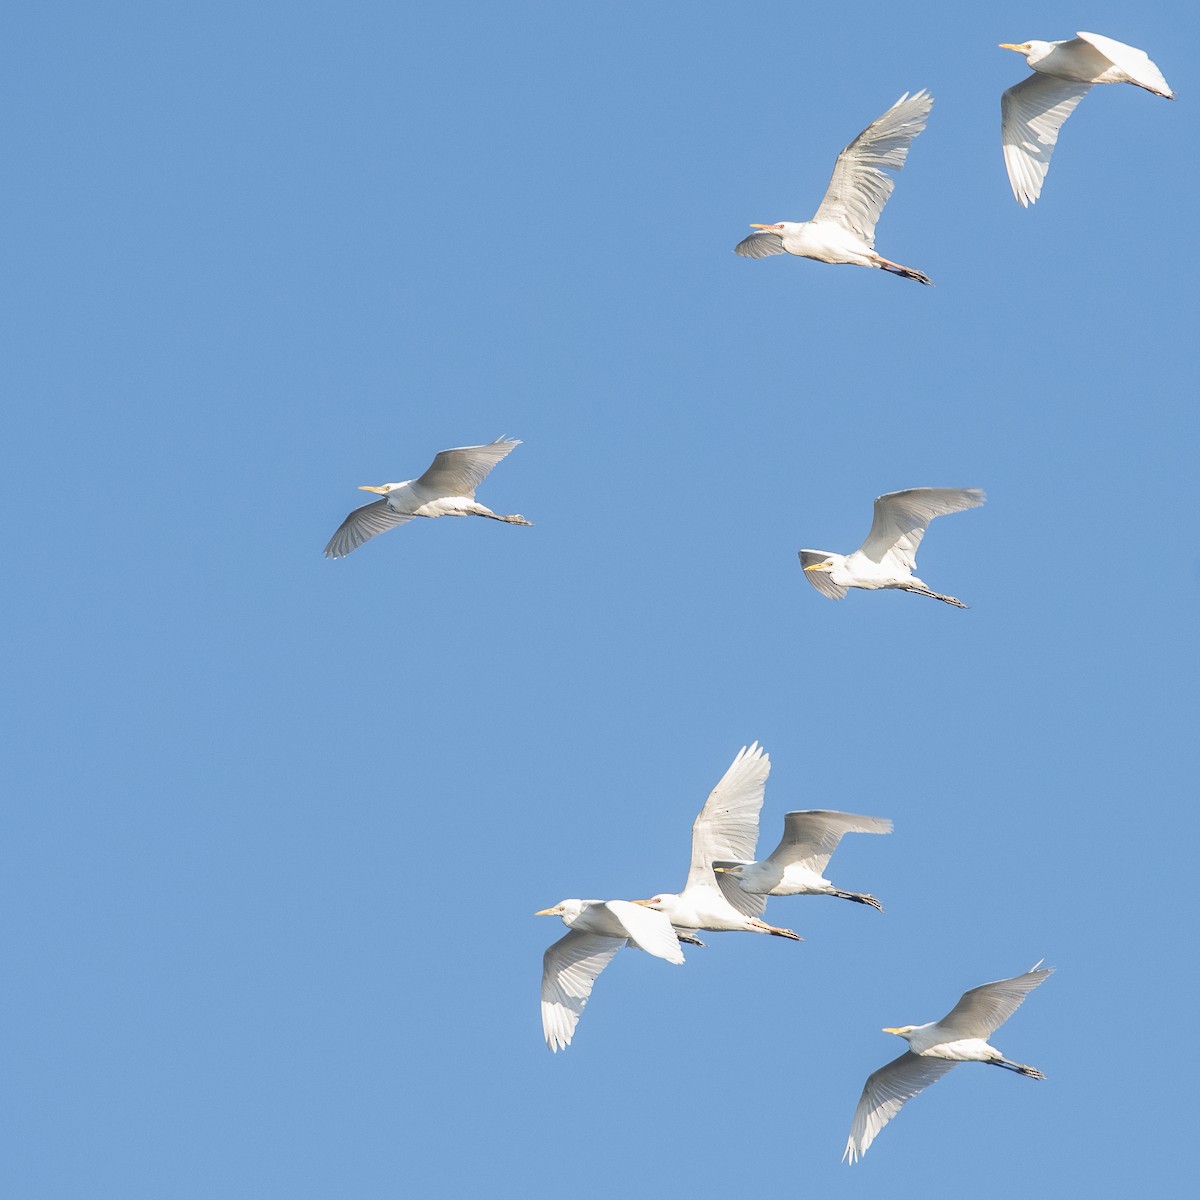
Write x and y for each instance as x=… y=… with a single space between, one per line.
x=762 y=226
x=545 y=912
x=366 y=487
x=896 y=1030
x=818 y=567
x=1012 y=46
x=643 y=903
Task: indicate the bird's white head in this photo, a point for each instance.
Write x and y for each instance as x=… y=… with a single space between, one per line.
x=655 y=901
x=818 y=560
x=1032 y=50
x=567 y=909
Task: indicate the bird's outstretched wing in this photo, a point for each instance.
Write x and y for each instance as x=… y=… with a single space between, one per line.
x=885 y=1093
x=1134 y=62
x=569 y=969
x=648 y=929
x=811 y=837
x=860 y=187
x=760 y=245
x=901 y=519
x=982 y=1010
x=1031 y=114
x=362 y=524
x=460 y=471
x=727 y=827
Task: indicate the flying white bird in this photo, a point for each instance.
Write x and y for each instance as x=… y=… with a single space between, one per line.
x=1033 y=111
x=727 y=828
x=447 y=489
x=598 y=929
x=795 y=866
x=888 y=557
x=960 y=1036
x=843 y=228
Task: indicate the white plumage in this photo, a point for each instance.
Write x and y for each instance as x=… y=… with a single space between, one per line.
x=446 y=489
x=933 y=1049
x=1033 y=111
x=888 y=558
x=598 y=929
x=843 y=228
x=726 y=829
x=796 y=866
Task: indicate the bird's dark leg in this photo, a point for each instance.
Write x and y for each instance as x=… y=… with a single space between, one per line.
x=859 y=898
x=687 y=937
x=922 y=591
x=907 y=272
x=763 y=927
x=1019 y=1068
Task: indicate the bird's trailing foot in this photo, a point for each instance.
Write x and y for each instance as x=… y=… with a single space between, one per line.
x=1019 y=1068
x=907 y=272
x=922 y=591
x=689 y=938
x=860 y=898
x=763 y=927
x=514 y=520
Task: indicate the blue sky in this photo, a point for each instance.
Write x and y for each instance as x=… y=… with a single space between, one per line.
x=278 y=825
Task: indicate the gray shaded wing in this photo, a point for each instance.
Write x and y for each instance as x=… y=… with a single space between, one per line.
x=810 y=837
x=1031 y=114
x=760 y=245
x=901 y=519
x=982 y=1010
x=820 y=579
x=460 y=471
x=362 y=524
x=860 y=187
x=885 y=1094
x=569 y=970
x=747 y=903
x=648 y=929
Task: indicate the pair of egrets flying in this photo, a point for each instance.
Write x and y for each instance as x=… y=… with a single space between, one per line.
x=1032 y=112
x=726 y=891
x=887 y=559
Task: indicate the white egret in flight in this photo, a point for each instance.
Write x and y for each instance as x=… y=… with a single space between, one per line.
x=960 y=1036
x=598 y=929
x=795 y=866
x=726 y=829
x=888 y=557
x=1033 y=111
x=447 y=489
x=843 y=228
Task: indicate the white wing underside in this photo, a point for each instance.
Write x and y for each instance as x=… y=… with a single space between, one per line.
x=885 y=1093
x=982 y=1010
x=811 y=837
x=1031 y=114
x=727 y=829
x=458 y=472
x=648 y=929
x=569 y=970
x=362 y=524
x=901 y=519
x=860 y=187
x=760 y=245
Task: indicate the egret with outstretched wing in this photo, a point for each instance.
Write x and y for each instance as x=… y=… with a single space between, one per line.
x=1033 y=111
x=447 y=489
x=888 y=558
x=843 y=228
x=727 y=828
x=960 y=1036
x=598 y=929
x=796 y=866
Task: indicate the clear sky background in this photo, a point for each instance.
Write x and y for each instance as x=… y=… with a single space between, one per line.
x=277 y=826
